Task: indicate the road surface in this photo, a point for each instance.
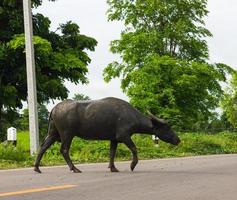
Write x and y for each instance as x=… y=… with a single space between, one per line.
x=191 y=178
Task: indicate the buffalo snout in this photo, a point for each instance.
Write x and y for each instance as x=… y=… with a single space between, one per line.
x=176 y=140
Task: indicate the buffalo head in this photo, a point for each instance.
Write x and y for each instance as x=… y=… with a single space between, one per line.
x=163 y=130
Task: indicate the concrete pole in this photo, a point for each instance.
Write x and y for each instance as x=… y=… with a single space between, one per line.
x=31 y=80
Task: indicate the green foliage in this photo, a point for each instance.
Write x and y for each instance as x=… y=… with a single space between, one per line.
x=12 y=157
x=79 y=97
x=23 y=140
x=174 y=28
x=181 y=91
x=98 y=151
x=164 y=55
x=23 y=120
x=229 y=102
x=219 y=124
x=43 y=115
x=59 y=56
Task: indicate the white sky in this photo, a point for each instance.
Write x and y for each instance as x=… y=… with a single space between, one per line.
x=90 y=15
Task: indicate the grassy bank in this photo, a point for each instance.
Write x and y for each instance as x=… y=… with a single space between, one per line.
x=97 y=151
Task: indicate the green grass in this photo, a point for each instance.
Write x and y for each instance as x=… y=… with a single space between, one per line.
x=23 y=140
x=83 y=151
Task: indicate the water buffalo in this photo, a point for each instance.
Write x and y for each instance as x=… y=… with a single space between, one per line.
x=105 y=119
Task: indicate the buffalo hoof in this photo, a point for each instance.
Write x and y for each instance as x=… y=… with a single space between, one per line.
x=133 y=165
x=36 y=169
x=75 y=170
x=114 y=169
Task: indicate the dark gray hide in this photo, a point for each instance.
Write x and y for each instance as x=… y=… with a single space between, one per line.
x=105 y=119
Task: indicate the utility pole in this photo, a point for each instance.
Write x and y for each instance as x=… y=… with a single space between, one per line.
x=31 y=80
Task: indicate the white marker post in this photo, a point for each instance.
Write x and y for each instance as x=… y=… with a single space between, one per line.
x=12 y=135
x=31 y=80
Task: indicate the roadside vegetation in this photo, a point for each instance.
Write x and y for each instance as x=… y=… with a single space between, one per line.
x=84 y=151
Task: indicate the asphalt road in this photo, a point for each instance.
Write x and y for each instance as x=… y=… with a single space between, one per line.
x=204 y=178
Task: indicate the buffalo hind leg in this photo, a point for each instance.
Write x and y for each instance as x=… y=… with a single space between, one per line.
x=129 y=143
x=65 y=146
x=113 y=148
x=49 y=140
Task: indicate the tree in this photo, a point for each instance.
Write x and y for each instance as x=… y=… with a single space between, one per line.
x=43 y=114
x=220 y=124
x=79 y=97
x=164 y=53
x=229 y=102
x=175 y=89
x=59 y=56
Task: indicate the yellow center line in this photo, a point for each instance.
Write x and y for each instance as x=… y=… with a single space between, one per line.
x=61 y=187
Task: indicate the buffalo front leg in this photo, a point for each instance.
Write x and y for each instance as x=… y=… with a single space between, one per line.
x=49 y=140
x=113 y=148
x=129 y=143
x=65 y=146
